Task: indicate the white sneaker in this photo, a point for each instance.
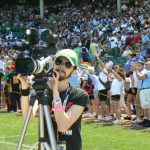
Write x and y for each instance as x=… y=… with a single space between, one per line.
x=108 y=118
x=117 y=121
x=138 y=120
x=94 y=114
x=101 y=118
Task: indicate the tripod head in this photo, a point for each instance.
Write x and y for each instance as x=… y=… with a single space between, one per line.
x=40 y=83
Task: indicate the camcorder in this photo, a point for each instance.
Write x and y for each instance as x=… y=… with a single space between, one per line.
x=41 y=47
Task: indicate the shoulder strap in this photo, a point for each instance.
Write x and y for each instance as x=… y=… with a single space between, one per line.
x=89 y=79
x=101 y=81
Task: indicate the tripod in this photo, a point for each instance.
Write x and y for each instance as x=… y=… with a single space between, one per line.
x=39 y=86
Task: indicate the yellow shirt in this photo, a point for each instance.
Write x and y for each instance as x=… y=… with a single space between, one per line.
x=94 y=49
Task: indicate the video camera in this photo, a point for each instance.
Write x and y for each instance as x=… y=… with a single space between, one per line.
x=41 y=46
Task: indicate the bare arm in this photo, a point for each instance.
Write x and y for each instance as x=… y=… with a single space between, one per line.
x=25 y=99
x=101 y=64
x=139 y=76
x=64 y=119
x=107 y=74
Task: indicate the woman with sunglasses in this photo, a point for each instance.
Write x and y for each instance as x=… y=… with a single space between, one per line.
x=66 y=103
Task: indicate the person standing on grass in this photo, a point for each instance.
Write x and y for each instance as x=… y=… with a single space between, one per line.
x=66 y=103
x=103 y=92
x=1 y=78
x=131 y=94
x=14 y=89
x=117 y=87
x=5 y=89
x=145 y=84
x=140 y=68
x=92 y=78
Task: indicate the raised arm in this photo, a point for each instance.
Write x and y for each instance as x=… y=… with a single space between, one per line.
x=25 y=97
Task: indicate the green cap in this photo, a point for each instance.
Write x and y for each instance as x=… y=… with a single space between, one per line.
x=70 y=55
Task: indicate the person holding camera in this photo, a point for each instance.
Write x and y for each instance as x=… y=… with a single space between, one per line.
x=66 y=103
x=144 y=81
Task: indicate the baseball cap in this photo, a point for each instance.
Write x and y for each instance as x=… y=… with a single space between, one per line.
x=69 y=54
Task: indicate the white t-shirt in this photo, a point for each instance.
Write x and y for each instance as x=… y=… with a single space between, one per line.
x=126 y=53
x=136 y=81
x=104 y=78
x=117 y=87
x=123 y=38
x=113 y=42
x=108 y=64
x=96 y=83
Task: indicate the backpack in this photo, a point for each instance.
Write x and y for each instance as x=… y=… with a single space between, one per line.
x=89 y=86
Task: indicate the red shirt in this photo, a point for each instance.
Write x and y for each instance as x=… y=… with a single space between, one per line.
x=137 y=39
x=129 y=40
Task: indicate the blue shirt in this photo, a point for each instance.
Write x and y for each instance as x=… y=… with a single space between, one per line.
x=74 y=79
x=146 y=83
x=128 y=65
x=143 y=53
x=137 y=59
x=145 y=38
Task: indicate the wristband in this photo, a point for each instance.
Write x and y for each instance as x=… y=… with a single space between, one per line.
x=57 y=100
x=58 y=109
x=25 y=92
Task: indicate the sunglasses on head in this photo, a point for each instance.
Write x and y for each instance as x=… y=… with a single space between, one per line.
x=62 y=62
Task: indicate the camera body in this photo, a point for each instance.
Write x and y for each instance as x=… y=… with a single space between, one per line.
x=42 y=49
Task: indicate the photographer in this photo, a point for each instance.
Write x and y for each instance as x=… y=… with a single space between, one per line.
x=66 y=103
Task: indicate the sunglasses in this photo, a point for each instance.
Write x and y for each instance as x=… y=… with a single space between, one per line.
x=61 y=62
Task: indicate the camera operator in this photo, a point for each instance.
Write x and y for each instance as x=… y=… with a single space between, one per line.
x=66 y=103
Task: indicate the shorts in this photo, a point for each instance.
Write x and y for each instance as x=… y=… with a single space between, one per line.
x=130 y=91
x=102 y=95
x=91 y=97
x=115 y=97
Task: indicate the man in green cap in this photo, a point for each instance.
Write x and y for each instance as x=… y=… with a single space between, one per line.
x=66 y=103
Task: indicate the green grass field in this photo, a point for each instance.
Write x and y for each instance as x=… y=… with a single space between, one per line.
x=96 y=135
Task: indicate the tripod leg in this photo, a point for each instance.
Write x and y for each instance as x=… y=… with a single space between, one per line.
x=50 y=128
x=43 y=144
x=32 y=101
x=24 y=128
x=47 y=147
x=41 y=118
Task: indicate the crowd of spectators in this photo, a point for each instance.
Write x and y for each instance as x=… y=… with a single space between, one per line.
x=99 y=35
